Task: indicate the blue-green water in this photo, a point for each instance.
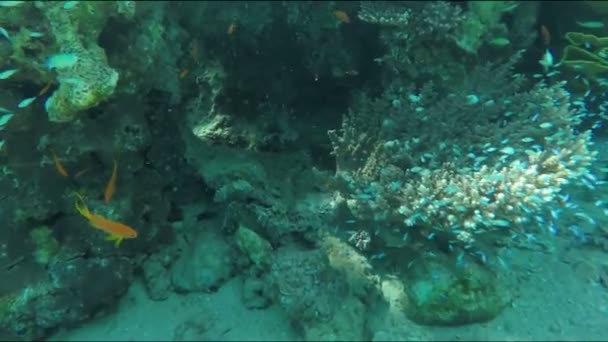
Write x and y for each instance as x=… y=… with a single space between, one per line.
x=297 y=170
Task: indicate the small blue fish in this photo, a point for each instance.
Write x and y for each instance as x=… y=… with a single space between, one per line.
x=553 y=228
x=586 y=217
x=26 y=102
x=48 y=103
x=5 y=119
x=593 y=24
x=460 y=258
x=483 y=257
x=61 y=61
x=502 y=263
x=588 y=184
x=577 y=232
x=555 y=213
x=5 y=34
x=70 y=4
x=7 y=73
x=378 y=256
x=472 y=99
x=10 y=3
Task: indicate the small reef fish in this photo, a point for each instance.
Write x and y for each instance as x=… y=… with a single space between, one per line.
x=6 y=74
x=500 y=41
x=231 y=29
x=70 y=4
x=4 y=119
x=111 y=186
x=508 y=150
x=61 y=61
x=10 y=3
x=590 y=24
x=5 y=34
x=472 y=99
x=59 y=166
x=117 y=231
x=545 y=35
x=342 y=16
x=26 y=102
x=183 y=73
x=547 y=60
x=48 y=103
x=45 y=89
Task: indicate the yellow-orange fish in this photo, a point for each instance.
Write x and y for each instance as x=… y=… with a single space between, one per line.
x=117 y=231
x=183 y=73
x=231 y=28
x=342 y=16
x=45 y=89
x=111 y=186
x=59 y=166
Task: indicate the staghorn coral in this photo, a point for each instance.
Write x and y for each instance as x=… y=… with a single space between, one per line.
x=488 y=156
x=419 y=37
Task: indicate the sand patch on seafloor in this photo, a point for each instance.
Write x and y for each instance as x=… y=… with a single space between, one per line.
x=555 y=299
x=214 y=316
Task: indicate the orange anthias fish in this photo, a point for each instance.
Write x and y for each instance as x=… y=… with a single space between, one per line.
x=342 y=16
x=118 y=231
x=183 y=73
x=231 y=28
x=111 y=187
x=58 y=166
x=45 y=89
x=545 y=35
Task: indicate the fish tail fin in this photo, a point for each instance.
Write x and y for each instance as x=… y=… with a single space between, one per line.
x=81 y=206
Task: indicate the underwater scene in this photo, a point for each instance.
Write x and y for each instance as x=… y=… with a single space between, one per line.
x=303 y=170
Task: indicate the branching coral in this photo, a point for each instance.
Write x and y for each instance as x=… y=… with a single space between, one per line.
x=487 y=157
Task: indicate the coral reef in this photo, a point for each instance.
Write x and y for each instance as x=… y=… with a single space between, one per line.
x=311 y=294
x=203 y=127
x=494 y=162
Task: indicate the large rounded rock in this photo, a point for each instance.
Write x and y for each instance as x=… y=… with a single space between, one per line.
x=204 y=266
x=440 y=295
